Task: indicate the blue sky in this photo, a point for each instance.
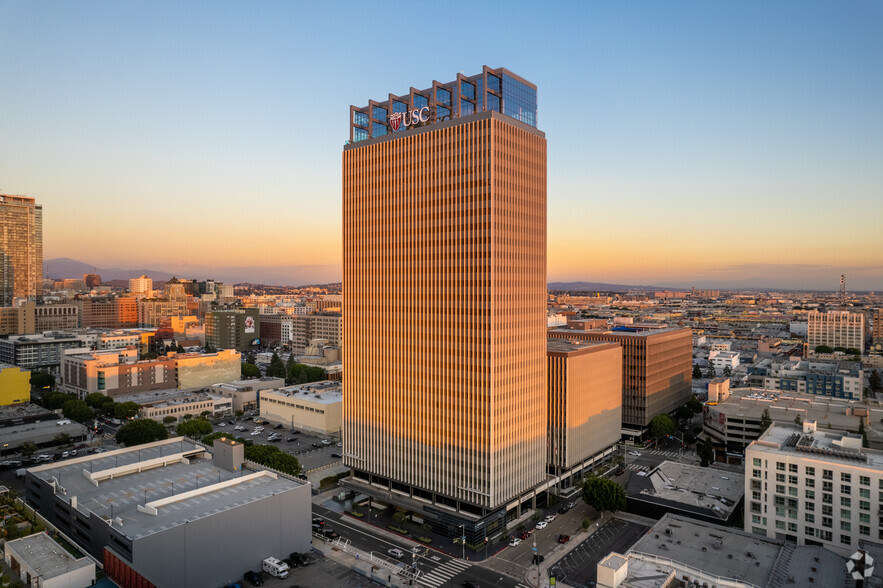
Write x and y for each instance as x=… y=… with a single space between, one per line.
x=737 y=143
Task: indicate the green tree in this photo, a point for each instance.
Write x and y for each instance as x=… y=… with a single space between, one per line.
x=603 y=495
x=399 y=518
x=824 y=349
x=61 y=439
x=194 y=428
x=683 y=413
x=694 y=405
x=170 y=419
x=709 y=372
x=728 y=371
x=95 y=399
x=276 y=368
x=108 y=406
x=28 y=448
x=76 y=410
x=208 y=348
x=798 y=421
x=874 y=380
x=270 y=456
x=126 y=410
x=56 y=400
x=662 y=425
x=697 y=372
x=42 y=380
x=141 y=431
x=180 y=348
x=250 y=370
x=706 y=452
x=765 y=421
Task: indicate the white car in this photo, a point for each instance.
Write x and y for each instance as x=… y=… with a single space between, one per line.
x=326 y=442
x=542 y=525
x=635 y=453
x=515 y=541
x=396 y=553
x=253 y=433
x=550 y=518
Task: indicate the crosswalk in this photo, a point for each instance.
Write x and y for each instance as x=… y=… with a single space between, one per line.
x=637 y=468
x=443 y=574
x=665 y=453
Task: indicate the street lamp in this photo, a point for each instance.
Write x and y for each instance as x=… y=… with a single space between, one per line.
x=463 y=539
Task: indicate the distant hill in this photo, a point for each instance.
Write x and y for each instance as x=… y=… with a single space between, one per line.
x=63 y=267
x=597 y=287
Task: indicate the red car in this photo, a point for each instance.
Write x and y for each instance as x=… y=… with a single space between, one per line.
x=563 y=538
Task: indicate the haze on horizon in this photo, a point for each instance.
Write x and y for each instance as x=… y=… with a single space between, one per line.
x=689 y=142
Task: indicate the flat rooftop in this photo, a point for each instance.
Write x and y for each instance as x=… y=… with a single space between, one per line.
x=42 y=431
x=625 y=332
x=731 y=553
x=46 y=557
x=785 y=406
x=568 y=346
x=118 y=491
x=706 y=491
x=324 y=392
x=821 y=444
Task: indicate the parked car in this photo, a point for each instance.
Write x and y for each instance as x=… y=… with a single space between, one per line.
x=278 y=427
x=524 y=535
x=396 y=553
x=336 y=455
x=550 y=518
x=253 y=578
x=563 y=538
x=291 y=439
x=542 y=525
x=330 y=533
x=325 y=442
x=301 y=559
x=563 y=510
x=619 y=471
x=571 y=504
x=515 y=542
x=318 y=521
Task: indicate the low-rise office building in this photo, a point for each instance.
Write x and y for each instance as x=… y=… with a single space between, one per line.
x=56 y=317
x=178 y=407
x=40 y=352
x=706 y=494
x=813 y=486
x=42 y=433
x=238 y=329
x=244 y=394
x=836 y=328
x=173 y=513
x=315 y=407
x=838 y=379
x=204 y=369
x=721 y=360
x=42 y=563
x=678 y=551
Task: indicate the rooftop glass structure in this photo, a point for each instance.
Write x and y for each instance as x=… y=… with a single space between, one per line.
x=493 y=89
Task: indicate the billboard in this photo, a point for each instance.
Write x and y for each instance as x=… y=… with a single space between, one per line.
x=249 y=324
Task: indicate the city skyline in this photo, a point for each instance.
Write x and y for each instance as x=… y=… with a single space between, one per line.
x=714 y=145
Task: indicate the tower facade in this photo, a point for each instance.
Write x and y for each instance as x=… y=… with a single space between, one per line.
x=21 y=248
x=444 y=278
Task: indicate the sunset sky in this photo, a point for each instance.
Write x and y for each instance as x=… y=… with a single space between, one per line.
x=728 y=143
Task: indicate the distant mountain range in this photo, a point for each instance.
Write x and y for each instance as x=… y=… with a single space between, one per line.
x=597 y=287
x=297 y=275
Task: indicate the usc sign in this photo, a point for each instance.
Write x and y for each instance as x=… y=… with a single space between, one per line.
x=409 y=118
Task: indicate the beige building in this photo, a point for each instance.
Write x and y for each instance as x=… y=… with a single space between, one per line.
x=40 y=562
x=836 y=328
x=585 y=401
x=244 y=394
x=194 y=404
x=314 y=407
x=814 y=486
x=444 y=270
x=21 y=248
x=141 y=285
x=114 y=372
x=656 y=369
x=56 y=317
x=17 y=320
x=198 y=369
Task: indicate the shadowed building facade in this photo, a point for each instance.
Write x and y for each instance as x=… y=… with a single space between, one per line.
x=444 y=268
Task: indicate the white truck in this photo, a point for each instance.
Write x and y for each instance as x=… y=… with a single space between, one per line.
x=275 y=567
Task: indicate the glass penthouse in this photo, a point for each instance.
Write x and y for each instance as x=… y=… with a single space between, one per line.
x=497 y=90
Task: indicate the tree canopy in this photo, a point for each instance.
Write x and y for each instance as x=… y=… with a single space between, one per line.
x=706 y=452
x=250 y=370
x=304 y=374
x=55 y=400
x=603 y=494
x=276 y=368
x=42 y=379
x=824 y=349
x=662 y=425
x=270 y=456
x=765 y=421
x=194 y=428
x=125 y=410
x=76 y=410
x=694 y=405
x=697 y=372
x=95 y=400
x=141 y=431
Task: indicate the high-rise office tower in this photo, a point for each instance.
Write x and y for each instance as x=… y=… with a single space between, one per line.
x=21 y=248
x=444 y=277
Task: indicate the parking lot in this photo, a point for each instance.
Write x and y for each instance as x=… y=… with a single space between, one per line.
x=579 y=567
x=306 y=446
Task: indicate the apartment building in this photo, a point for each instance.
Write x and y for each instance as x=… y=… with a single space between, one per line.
x=141 y=285
x=109 y=312
x=838 y=379
x=814 y=486
x=237 y=329
x=21 y=249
